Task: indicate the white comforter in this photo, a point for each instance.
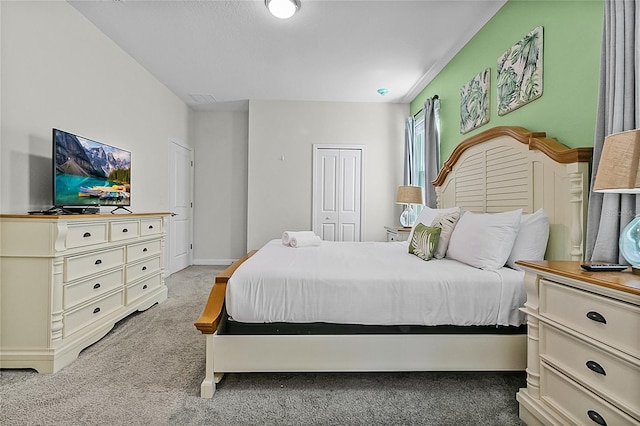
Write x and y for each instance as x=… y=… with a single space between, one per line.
x=370 y=283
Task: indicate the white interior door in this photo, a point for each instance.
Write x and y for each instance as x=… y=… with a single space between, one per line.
x=350 y=176
x=181 y=204
x=337 y=199
x=326 y=194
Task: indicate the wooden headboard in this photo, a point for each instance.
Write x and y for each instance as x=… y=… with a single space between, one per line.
x=507 y=168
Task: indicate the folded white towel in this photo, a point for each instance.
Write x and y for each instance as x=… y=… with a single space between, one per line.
x=287 y=235
x=305 y=241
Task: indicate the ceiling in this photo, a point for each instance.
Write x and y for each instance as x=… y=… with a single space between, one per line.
x=219 y=54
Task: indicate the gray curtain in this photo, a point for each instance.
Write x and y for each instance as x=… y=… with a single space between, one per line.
x=408 y=152
x=618 y=110
x=431 y=150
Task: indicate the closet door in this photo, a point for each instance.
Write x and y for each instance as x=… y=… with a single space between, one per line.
x=337 y=198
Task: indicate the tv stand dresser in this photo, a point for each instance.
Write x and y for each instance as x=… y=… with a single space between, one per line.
x=66 y=280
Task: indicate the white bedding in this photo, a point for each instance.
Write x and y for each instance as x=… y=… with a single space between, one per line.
x=370 y=283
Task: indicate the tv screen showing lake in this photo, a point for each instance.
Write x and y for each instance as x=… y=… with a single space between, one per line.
x=89 y=172
x=72 y=190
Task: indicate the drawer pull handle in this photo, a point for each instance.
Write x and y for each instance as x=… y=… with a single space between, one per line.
x=96 y=310
x=144 y=250
x=86 y=235
x=125 y=230
x=596 y=418
x=595 y=316
x=98 y=262
x=144 y=268
x=596 y=368
x=150 y=226
x=144 y=287
x=96 y=286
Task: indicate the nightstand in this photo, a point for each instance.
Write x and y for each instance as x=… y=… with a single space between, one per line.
x=583 y=346
x=397 y=233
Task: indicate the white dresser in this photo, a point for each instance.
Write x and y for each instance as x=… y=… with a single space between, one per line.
x=583 y=348
x=66 y=280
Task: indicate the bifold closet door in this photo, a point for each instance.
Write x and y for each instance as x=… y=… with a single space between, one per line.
x=338 y=194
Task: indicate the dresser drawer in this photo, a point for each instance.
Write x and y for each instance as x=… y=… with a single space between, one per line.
x=80 y=266
x=76 y=319
x=150 y=226
x=79 y=235
x=613 y=378
x=140 y=269
x=141 y=288
x=609 y=321
x=142 y=250
x=82 y=291
x=577 y=403
x=124 y=230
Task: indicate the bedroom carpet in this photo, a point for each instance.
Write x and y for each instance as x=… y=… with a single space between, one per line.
x=148 y=369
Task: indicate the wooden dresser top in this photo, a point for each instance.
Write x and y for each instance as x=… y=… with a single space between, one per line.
x=80 y=216
x=623 y=281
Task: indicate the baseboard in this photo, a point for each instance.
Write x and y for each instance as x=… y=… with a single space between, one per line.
x=213 y=262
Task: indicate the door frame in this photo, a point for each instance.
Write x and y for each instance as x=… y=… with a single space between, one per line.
x=314 y=196
x=190 y=214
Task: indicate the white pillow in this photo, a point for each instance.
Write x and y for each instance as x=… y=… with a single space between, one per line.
x=484 y=240
x=427 y=216
x=531 y=242
x=447 y=223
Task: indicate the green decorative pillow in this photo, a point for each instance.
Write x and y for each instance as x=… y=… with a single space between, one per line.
x=424 y=241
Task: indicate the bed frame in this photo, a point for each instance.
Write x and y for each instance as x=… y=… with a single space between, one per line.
x=500 y=169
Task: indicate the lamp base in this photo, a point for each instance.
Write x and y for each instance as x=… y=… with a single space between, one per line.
x=408 y=217
x=630 y=243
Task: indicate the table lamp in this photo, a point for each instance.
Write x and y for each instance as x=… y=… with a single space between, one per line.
x=618 y=173
x=408 y=195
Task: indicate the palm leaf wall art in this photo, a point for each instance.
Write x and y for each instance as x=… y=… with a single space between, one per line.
x=520 y=73
x=474 y=102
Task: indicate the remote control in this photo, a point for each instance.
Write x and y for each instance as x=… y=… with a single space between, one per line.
x=594 y=267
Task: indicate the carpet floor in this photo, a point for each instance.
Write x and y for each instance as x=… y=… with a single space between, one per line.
x=148 y=369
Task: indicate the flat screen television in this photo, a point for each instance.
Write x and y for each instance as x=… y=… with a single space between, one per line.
x=89 y=173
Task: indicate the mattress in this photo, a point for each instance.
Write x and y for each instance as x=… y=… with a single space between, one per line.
x=370 y=283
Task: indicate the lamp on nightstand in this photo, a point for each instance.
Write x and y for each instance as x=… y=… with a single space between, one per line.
x=619 y=173
x=408 y=195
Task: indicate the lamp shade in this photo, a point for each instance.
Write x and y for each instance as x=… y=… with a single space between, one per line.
x=409 y=195
x=618 y=170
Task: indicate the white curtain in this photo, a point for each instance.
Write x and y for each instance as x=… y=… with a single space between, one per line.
x=618 y=110
x=431 y=149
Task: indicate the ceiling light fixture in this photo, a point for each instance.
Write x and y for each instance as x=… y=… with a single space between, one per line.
x=382 y=91
x=283 y=9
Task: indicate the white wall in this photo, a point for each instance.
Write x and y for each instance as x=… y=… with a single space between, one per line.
x=279 y=192
x=220 y=186
x=59 y=70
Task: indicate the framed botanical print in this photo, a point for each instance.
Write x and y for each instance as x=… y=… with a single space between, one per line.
x=520 y=73
x=474 y=102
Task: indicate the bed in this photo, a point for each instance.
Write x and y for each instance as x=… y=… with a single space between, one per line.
x=498 y=171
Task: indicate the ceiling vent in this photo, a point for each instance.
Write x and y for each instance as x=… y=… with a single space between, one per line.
x=203 y=99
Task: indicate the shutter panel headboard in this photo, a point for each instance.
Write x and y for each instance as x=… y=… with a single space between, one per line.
x=507 y=168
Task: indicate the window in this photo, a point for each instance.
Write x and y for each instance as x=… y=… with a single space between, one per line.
x=419 y=148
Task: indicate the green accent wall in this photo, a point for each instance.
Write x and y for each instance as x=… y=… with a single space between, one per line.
x=571 y=67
